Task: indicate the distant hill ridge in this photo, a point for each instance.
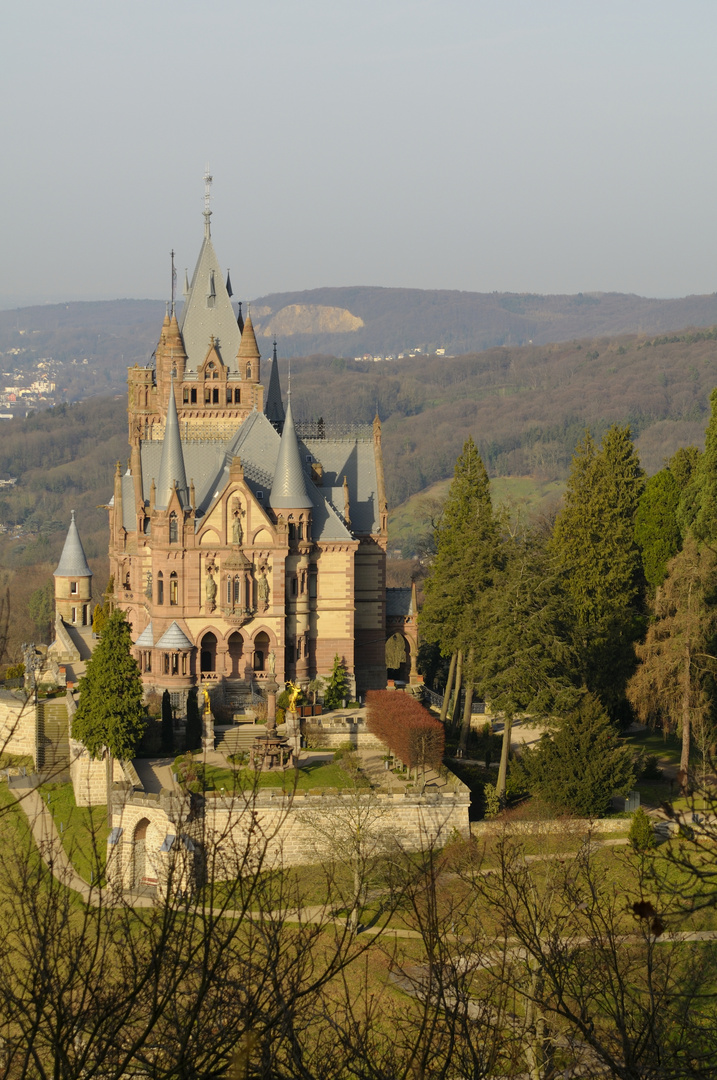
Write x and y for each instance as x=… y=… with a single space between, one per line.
x=355 y=321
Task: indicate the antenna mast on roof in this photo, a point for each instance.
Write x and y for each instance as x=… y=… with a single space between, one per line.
x=174 y=280
x=207 y=199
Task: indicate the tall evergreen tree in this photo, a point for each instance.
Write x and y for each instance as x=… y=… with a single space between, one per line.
x=337 y=685
x=698 y=506
x=657 y=528
x=527 y=662
x=467 y=558
x=167 y=724
x=669 y=687
x=110 y=714
x=594 y=538
x=193 y=731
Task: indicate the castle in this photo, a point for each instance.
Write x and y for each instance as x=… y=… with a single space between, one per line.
x=244 y=544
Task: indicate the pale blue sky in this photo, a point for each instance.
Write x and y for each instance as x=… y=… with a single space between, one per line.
x=541 y=146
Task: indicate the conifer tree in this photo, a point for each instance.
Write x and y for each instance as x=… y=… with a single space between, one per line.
x=594 y=538
x=337 y=685
x=657 y=528
x=167 y=724
x=110 y=714
x=668 y=688
x=467 y=559
x=579 y=767
x=697 y=511
x=193 y=731
x=527 y=661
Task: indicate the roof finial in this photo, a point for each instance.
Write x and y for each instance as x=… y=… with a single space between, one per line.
x=174 y=280
x=288 y=392
x=207 y=198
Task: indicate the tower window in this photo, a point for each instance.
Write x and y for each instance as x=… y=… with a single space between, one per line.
x=229 y=395
x=193 y=395
x=185 y=395
x=215 y=395
x=73 y=588
x=173 y=531
x=74 y=615
x=237 y=396
x=248 y=371
x=173 y=589
x=160 y=588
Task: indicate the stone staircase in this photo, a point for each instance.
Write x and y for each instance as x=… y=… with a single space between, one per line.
x=53 y=744
x=237 y=695
x=239 y=739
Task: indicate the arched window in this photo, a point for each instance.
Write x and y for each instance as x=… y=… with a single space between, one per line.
x=248 y=371
x=146 y=397
x=209 y=371
x=172 y=528
x=173 y=589
x=237 y=590
x=261 y=651
x=160 y=587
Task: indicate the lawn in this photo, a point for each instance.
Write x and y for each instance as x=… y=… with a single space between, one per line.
x=83 y=829
x=665 y=747
x=313 y=776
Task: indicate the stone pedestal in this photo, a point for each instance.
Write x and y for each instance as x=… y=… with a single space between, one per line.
x=208 y=732
x=293 y=731
x=271 y=687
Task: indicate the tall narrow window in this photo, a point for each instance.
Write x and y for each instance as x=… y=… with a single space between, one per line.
x=185 y=395
x=160 y=588
x=173 y=531
x=193 y=396
x=237 y=590
x=248 y=371
x=237 y=396
x=173 y=589
x=215 y=395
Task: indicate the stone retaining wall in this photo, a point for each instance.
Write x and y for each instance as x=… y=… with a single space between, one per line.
x=229 y=833
x=332 y=731
x=572 y=826
x=17 y=726
x=89 y=776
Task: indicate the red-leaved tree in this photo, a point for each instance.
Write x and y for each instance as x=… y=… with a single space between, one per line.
x=407 y=729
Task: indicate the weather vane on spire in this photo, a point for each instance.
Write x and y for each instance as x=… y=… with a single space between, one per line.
x=207 y=198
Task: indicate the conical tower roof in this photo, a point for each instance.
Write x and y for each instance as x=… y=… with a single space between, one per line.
x=73 y=562
x=288 y=492
x=208 y=311
x=248 y=349
x=274 y=406
x=171 y=466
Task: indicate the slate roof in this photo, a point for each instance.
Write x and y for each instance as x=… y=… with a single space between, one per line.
x=398 y=603
x=171 y=465
x=174 y=638
x=146 y=638
x=73 y=562
x=273 y=405
x=208 y=311
x=288 y=491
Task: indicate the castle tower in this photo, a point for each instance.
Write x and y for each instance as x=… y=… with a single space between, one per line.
x=291 y=503
x=73 y=581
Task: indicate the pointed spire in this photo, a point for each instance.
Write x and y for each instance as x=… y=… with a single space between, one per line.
x=240 y=319
x=171 y=466
x=274 y=406
x=73 y=562
x=207 y=201
x=230 y=291
x=248 y=348
x=288 y=491
x=186 y=283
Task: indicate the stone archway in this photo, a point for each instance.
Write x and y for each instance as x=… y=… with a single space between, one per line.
x=262 y=646
x=398 y=658
x=235 y=647
x=139 y=853
x=208 y=653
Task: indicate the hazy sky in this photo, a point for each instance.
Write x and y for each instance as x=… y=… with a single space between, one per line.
x=523 y=145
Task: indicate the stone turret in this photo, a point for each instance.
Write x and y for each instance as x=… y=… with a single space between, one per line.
x=274 y=408
x=288 y=492
x=73 y=581
x=248 y=358
x=171 y=467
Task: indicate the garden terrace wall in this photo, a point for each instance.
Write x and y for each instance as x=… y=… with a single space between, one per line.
x=225 y=827
x=18 y=726
x=333 y=731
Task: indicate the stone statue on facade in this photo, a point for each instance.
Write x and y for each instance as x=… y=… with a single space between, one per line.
x=210 y=589
x=272 y=662
x=262 y=588
x=237 y=530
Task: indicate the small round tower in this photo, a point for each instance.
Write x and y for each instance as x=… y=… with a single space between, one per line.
x=73 y=581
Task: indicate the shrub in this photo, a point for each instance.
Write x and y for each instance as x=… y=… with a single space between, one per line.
x=492 y=802
x=641 y=835
x=650 y=768
x=409 y=730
